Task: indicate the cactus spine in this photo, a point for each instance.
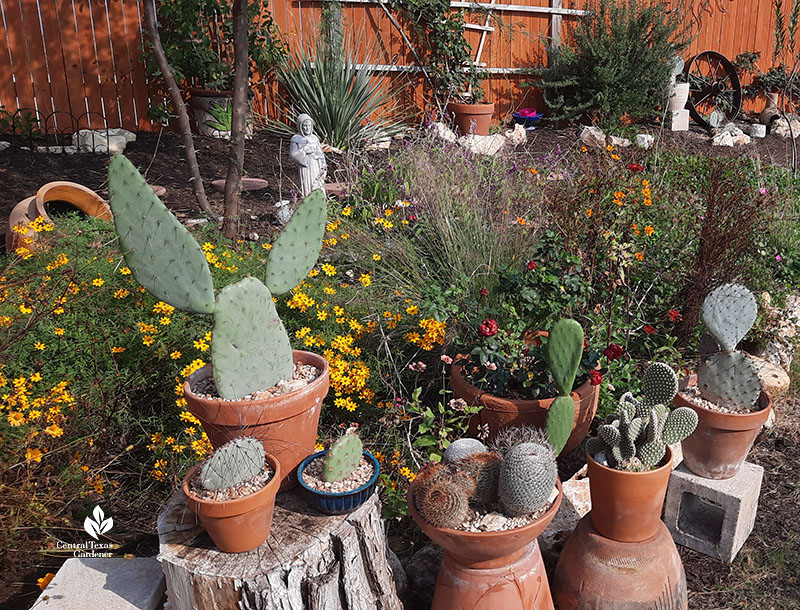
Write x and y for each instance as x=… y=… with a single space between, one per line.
x=232 y=464
x=251 y=349
x=342 y=458
x=638 y=434
x=728 y=377
x=564 y=352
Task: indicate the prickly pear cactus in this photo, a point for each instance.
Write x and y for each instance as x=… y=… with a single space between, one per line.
x=342 y=458
x=232 y=464
x=161 y=254
x=295 y=251
x=729 y=312
x=564 y=352
x=729 y=379
x=251 y=349
x=659 y=385
x=527 y=477
x=461 y=448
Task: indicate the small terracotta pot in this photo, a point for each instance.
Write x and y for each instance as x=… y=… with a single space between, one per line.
x=471 y=118
x=626 y=506
x=491 y=570
x=499 y=413
x=721 y=441
x=238 y=525
x=601 y=574
x=286 y=425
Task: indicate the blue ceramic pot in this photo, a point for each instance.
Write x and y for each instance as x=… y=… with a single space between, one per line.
x=526 y=121
x=337 y=503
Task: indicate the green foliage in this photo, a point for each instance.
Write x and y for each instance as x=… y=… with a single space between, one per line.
x=222 y=116
x=197 y=36
x=617 y=62
x=351 y=107
x=20 y=123
x=436 y=427
x=439 y=37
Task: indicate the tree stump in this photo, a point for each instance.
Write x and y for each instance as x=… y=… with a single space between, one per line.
x=309 y=562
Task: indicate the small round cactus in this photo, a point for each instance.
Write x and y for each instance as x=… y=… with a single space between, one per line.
x=441 y=495
x=527 y=478
x=485 y=470
x=461 y=448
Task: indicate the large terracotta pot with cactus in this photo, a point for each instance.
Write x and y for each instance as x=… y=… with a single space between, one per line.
x=726 y=393
x=233 y=494
x=629 y=465
x=250 y=350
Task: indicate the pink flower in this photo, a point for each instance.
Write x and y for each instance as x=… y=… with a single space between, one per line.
x=483 y=292
x=446 y=359
x=762 y=190
x=418 y=367
x=778 y=257
x=488 y=328
x=491 y=366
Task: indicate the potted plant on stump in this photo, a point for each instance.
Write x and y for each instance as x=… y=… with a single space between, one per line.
x=629 y=467
x=726 y=393
x=258 y=386
x=233 y=494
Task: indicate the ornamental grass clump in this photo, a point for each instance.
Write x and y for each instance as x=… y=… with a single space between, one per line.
x=251 y=349
x=636 y=437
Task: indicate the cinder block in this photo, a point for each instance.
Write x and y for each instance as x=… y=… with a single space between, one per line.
x=714 y=517
x=679 y=120
x=100 y=583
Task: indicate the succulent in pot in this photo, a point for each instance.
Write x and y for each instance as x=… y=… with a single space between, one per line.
x=250 y=349
x=629 y=459
x=233 y=494
x=726 y=392
x=343 y=478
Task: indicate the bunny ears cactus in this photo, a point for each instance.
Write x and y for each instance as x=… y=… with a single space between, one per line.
x=251 y=349
x=729 y=377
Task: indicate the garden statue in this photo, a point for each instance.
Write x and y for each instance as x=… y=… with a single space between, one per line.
x=305 y=150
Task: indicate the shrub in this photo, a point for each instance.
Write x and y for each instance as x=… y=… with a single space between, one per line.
x=616 y=62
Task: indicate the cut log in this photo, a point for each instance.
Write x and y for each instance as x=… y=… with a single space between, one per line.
x=309 y=562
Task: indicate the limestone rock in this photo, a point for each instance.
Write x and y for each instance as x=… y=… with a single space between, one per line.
x=442 y=131
x=644 y=140
x=422 y=569
x=4 y=145
x=574 y=505
x=112 y=140
x=722 y=139
x=517 y=136
x=618 y=142
x=774 y=379
x=781 y=127
x=483 y=145
x=593 y=136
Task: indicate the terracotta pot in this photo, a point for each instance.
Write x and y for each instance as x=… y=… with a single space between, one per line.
x=471 y=118
x=596 y=573
x=203 y=100
x=499 y=413
x=491 y=570
x=626 y=506
x=238 y=525
x=721 y=441
x=678 y=96
x=286 y=425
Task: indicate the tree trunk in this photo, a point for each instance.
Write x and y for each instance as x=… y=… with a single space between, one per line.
x=309 y=562
x=178 y=104
x=241 y=59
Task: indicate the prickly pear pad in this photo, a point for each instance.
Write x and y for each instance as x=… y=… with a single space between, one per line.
x=161 y=254
x=250 y=350
x=296 y=250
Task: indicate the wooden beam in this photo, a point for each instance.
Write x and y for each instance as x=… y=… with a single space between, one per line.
x=555 y=24
x=482 y=6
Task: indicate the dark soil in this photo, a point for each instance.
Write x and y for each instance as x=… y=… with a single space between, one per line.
x=764 y=575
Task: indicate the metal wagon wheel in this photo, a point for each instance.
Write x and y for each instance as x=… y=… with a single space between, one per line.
x=715 y=93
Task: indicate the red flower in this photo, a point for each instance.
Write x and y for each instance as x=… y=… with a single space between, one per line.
x=488 y=328
x=483 y=292
x=635 y=167
x=595 y=377
x=648 y=329
x=613 y=351
x=674 y=315
x=585 y=343
x=531 y=265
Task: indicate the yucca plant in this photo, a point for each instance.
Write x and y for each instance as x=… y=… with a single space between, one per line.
x=351 y=106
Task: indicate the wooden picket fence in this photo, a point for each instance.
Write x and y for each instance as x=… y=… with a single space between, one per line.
x=78 y=63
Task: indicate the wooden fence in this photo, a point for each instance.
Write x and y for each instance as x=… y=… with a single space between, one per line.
x=82 y=58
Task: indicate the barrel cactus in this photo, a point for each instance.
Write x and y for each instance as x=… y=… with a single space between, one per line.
x=527 y=478
x=728 y=377
x=232 y=464
x=638 y=434
x=250 y=348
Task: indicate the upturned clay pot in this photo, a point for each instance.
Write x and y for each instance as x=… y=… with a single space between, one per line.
x=678 y=96
x=499 y=413
x=626 y=506
x=771 y=111
x=286 y=425
x=491 y=570
x=721 y=441
x=471 y=118
x=601 y=574
x=238 y=525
